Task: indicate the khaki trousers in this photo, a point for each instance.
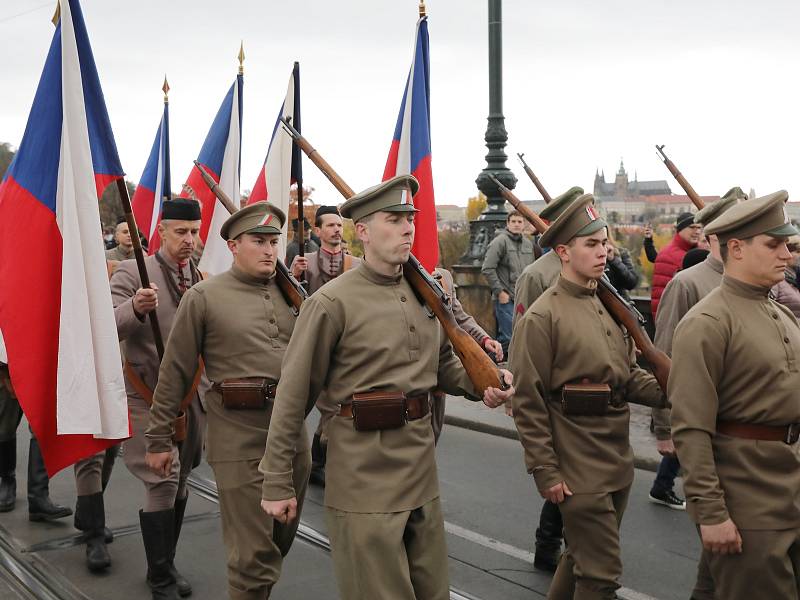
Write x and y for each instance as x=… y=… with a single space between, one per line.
x=591 y=566
x=768 y=567
x=704 y=585
x=254 y=545
x=390 y=556
x=161 y=492
x=93 y=473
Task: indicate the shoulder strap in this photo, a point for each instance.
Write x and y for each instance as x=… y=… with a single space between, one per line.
x=146 y=393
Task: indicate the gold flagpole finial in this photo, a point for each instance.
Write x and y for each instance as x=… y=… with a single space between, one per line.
x=165 y=87
x=422 y=11
x=241 y=58
x=57 y=15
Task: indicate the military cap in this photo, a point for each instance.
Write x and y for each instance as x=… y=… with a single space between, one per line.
x=390 y=196
x=713 y=210
x=259 y=217
x=326 y=210
x=295 y=223
x=560 y=203
x=180 y=209
x=579 y=219
x=121 y=220
x=765 y=215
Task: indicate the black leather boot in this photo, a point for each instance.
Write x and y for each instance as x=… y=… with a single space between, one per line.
x=184 y=587
x=40 y=507
x=158 y=535
x=548 y=538
x=318 y=458
x=8 y=477
x=90 y=514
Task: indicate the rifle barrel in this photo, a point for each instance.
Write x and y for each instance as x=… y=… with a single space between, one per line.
x=687 y=187
x=545 y=195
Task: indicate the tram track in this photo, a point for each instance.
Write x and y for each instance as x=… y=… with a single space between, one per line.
x=207 y=489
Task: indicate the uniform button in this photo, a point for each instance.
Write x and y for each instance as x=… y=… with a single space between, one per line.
x=412 y=329
x=786 y=340
x=608 y=332
x=600 y=311
x=402 y=298
x=266 y=296
x=272 y=321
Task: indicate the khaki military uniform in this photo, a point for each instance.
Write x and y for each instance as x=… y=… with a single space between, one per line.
x=468 y=323
x=118 y=254
x=567 y=336
x=240 y=325
x=533 y=281
x=736 y=359
x=142 y=360
x=366 y=331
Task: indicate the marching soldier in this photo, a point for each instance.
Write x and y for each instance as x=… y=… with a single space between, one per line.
x=576 y=371
x=532 y=283
x=239 y=323
x=372 y=344
x=172 y=273
x=735 y=416
x=320 y=267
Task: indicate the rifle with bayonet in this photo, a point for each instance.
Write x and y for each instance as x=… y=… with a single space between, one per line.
x=290 y=288
x=482 y=372
x=547 y=197
x=622 y=312
x=687 y=187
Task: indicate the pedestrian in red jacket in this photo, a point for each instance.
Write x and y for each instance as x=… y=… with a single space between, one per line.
x=670 y=257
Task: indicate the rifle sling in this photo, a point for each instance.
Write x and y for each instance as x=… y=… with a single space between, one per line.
x=146 y=393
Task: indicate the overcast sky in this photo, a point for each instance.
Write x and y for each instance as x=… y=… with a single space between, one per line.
x=586 y=83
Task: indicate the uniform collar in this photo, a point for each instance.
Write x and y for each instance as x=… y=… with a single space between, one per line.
x=574 y=289
x=249 y=279
x=167 y=259
x=745 y=290
x=378 y=278
x=714 y=263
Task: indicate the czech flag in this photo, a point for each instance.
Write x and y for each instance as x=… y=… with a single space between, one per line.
x=146 y=201
x=220 y=155
x=411 y=149
x=282 y=167
x=55 y=304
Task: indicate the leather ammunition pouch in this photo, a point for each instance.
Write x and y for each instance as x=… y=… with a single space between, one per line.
x=246 y=393
x=585 y=399
x=376 y=411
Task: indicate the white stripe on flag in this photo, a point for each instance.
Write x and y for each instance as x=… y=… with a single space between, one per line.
x=278 y=166
x=90 y=396
x=216 y=256
x=154 y=217
x=3 y=354
x=404 y=149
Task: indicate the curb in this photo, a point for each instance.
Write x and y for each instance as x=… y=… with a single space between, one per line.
x=645 y=463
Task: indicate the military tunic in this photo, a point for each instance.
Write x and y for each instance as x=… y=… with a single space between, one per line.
x=117 y=253
x=567 y=336
x=367 y=331
x=533 y=281
x=241 y=326
x=736 y=359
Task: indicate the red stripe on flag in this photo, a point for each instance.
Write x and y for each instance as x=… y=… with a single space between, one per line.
x=391 y=161
x=205 y=196
x=259 y=192
x=30 y=321
x=426 y=236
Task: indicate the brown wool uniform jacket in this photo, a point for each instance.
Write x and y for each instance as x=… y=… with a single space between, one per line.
x=320 y=268
x=565 y=337
x=241 y=326
x=363 y=331
x=116 y=253
x=464 y=319
x=685 y=290
x=140 y=347
x=533 y=281
x=736 y=356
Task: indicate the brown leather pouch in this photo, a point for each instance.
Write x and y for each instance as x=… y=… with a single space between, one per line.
x=246 y=394
x=180 y=428
x=585 y=399
x=374 y=411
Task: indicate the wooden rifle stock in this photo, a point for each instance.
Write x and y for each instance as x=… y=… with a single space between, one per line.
x=290 y=288
x=622 y=312
x=547 y=197
x=482 y=372
x=687 y=187
x=138 y=254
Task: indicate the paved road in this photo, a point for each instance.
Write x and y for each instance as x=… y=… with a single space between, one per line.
x=490 y=510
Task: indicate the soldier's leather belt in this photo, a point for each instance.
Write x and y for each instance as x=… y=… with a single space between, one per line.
x=373 y=411
x=246 y=393
x=787 y=434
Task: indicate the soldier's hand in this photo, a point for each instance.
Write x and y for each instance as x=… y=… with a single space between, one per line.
x=283 y=511
x=159 y=462
x=558 y=493
x=666 y=447
x=299 y=266
x=145 y=300
x=494 y=397
x=722 y=538
x=494 y=347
